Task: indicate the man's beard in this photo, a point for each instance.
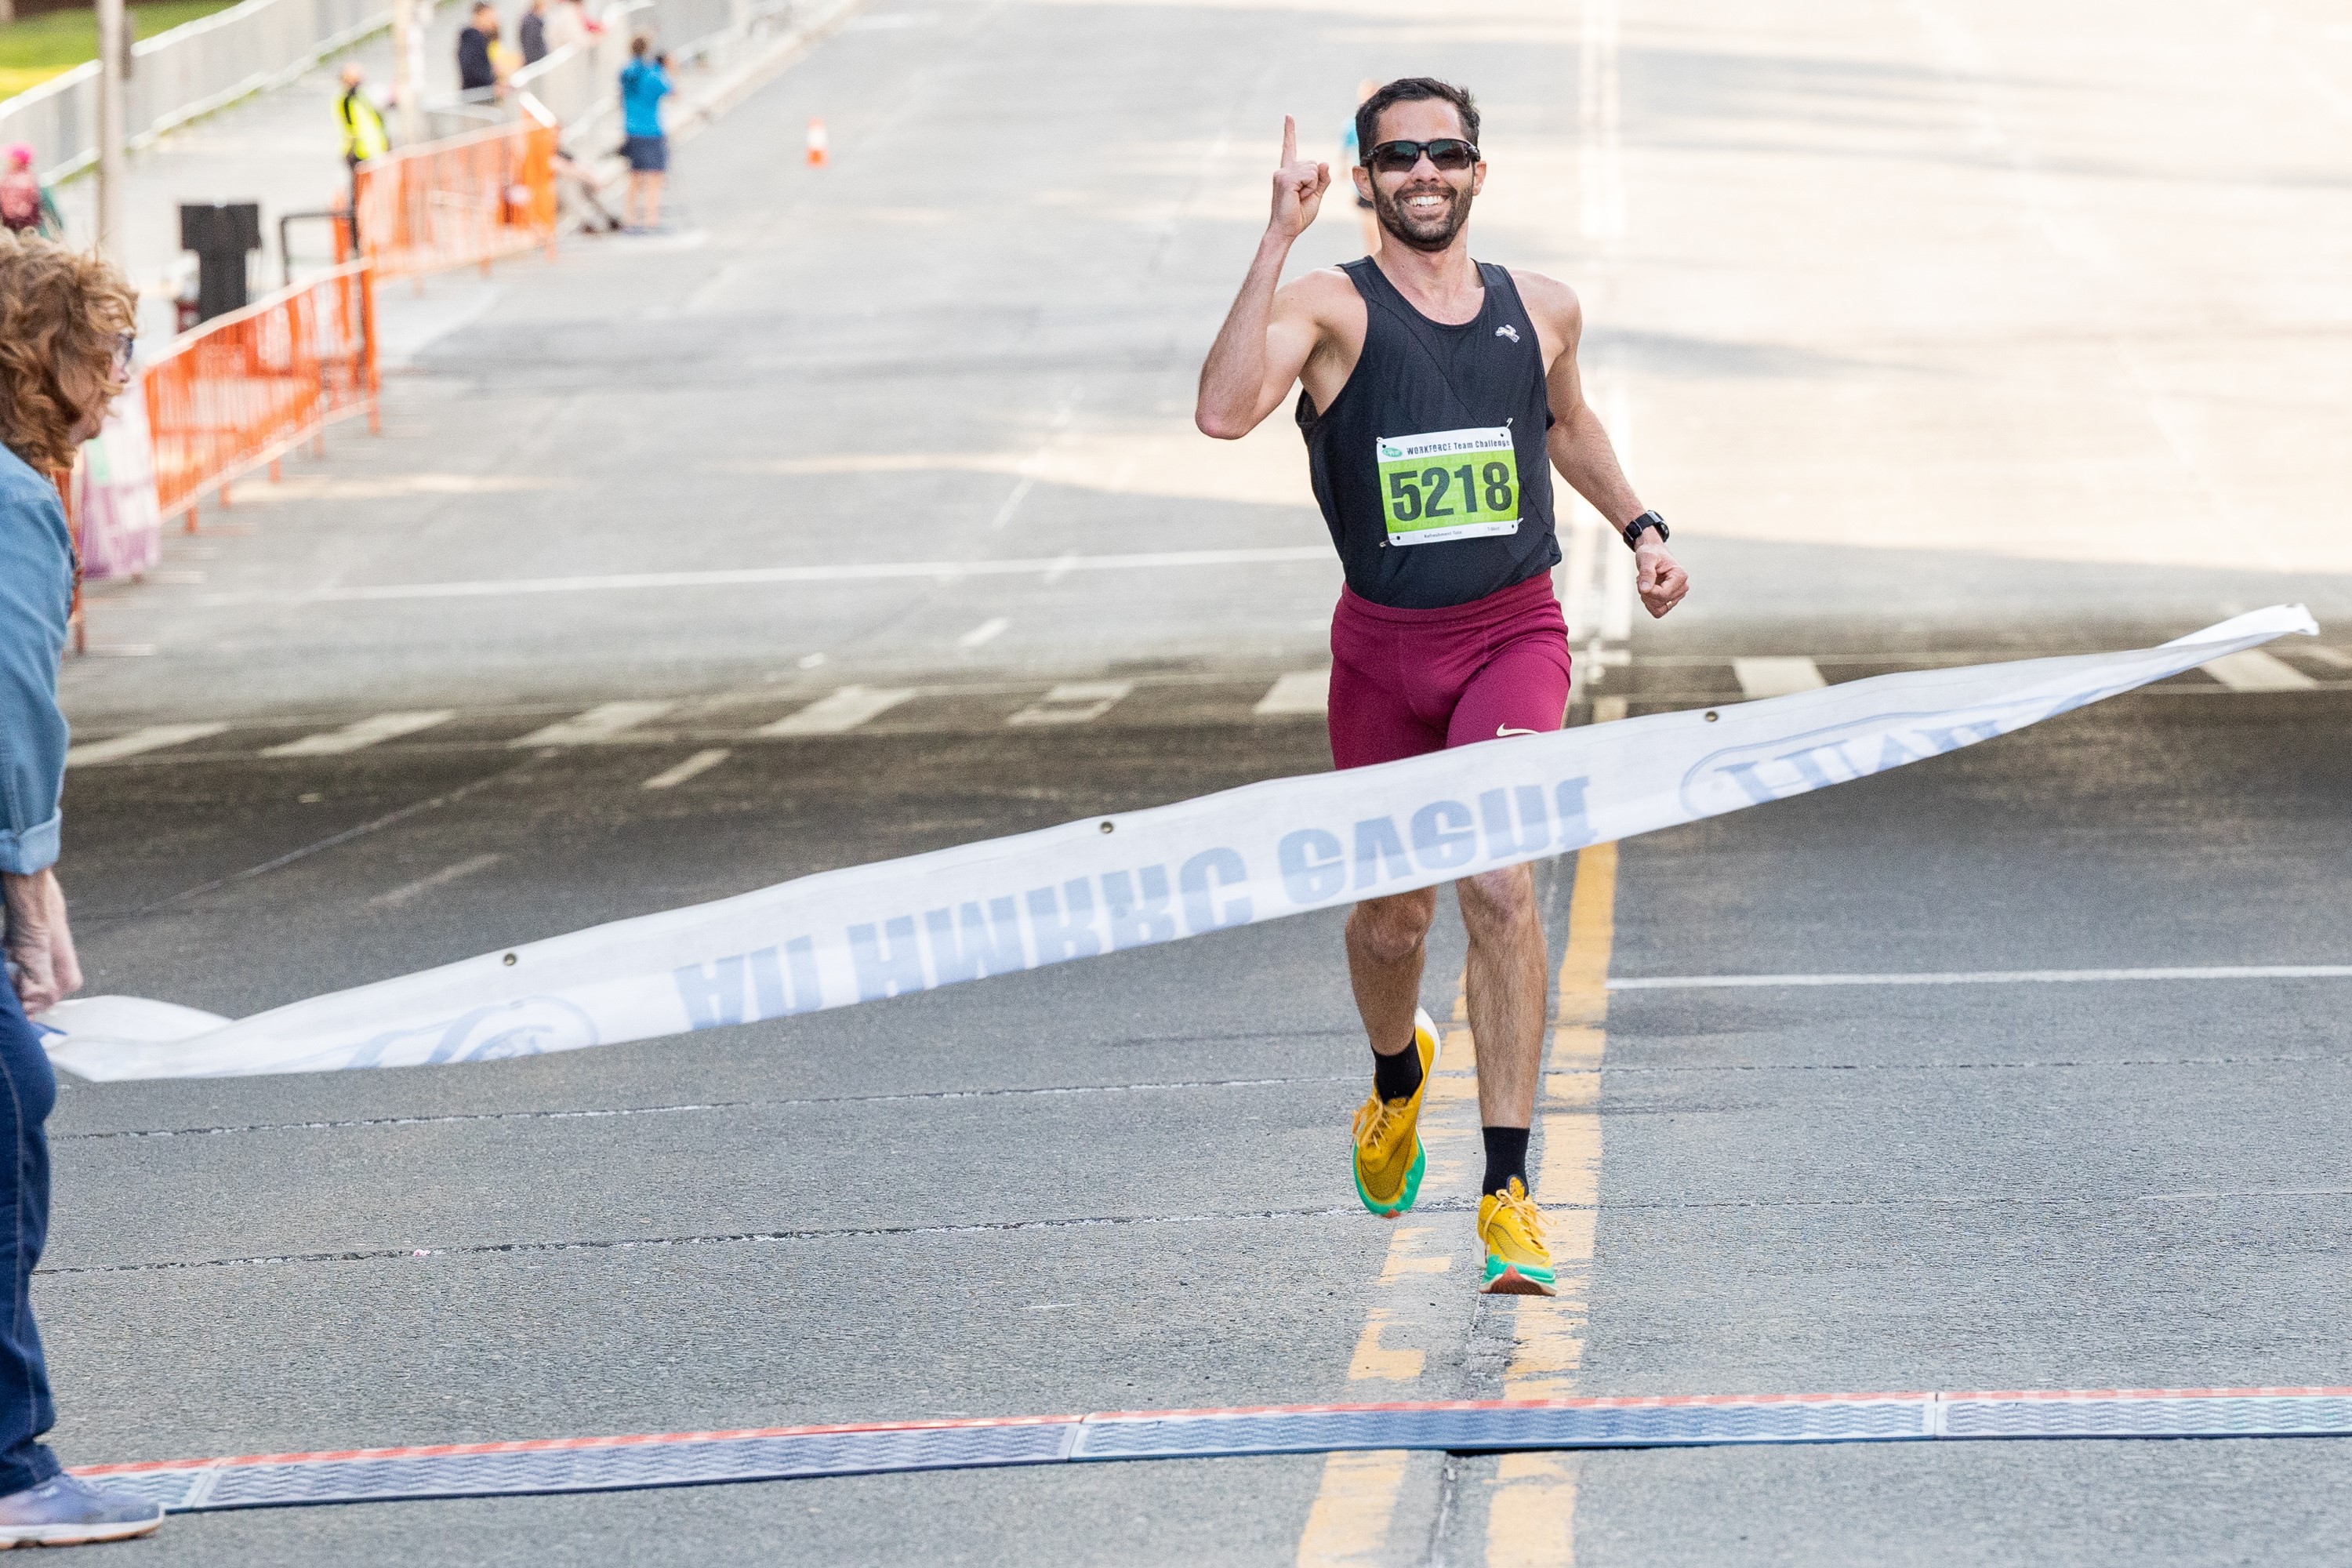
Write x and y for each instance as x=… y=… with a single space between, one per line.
x=1433 y=233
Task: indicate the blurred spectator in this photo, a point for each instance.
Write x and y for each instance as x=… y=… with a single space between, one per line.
x=476 y=74
x=645 y=82
x=363 y=134
x=25 y=203
x=1352 y=154
x=532 y=31
x=64 y=340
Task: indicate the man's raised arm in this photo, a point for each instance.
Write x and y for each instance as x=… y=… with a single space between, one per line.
x=1267 y=337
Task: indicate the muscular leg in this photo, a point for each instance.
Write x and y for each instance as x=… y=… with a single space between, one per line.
x=1507 y=991
x=1384 y=960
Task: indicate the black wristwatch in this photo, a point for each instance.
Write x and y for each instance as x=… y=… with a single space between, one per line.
x=1647 y=520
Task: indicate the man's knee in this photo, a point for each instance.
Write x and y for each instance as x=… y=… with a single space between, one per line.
x=1392 y=928
x=1495 y=900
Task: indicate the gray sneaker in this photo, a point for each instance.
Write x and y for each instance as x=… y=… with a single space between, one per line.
x=66 y=1511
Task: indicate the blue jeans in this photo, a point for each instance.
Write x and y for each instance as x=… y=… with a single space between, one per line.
x=28 y=1090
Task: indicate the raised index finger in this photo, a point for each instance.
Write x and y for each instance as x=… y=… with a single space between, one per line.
x=1289 y=141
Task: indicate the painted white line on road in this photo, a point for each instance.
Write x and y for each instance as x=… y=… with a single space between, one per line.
x=601 y=723
x=153 y=738
x=845 y=710
x=366 y=732
x=409 y=892
x=987 y=632
x=2332 y=658
x=700 y=762
x=1300 y=691
x=1601 y=160
x=1776 y=676
x=1992 y=977
x=2254 y=671
x=1074 y=702
x=765 y=576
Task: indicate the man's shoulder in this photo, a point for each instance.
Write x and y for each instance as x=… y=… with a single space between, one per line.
x=1543 y=294
x=1323 y=290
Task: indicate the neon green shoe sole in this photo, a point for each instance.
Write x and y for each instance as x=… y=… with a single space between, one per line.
x=1405 y=1195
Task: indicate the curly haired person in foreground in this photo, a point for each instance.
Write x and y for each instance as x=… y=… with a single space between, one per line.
x=64 y=351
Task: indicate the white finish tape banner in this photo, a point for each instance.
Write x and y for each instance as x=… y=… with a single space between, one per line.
x=1257 y=853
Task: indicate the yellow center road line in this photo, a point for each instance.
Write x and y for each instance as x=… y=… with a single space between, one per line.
x=1350 y=1521
x=1531 y=1512
x=1417 y=1305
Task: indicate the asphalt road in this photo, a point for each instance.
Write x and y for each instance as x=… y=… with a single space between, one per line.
x=1121 y=1183
x=1945 y=334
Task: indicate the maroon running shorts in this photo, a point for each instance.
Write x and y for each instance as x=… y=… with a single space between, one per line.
x=1407 y=682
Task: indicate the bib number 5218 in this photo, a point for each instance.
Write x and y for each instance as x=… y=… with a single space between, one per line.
x=1452 y=484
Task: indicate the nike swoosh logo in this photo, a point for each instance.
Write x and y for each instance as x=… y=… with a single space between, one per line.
x=1503 y=730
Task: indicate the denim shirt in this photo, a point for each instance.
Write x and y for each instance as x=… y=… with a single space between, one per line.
x=36 y=597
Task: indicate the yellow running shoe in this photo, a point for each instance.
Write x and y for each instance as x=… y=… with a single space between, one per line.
x=1388 y=1155
x=1517 y=1263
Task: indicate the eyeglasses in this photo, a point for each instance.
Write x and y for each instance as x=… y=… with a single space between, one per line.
x=125 y=345
x=1448 y=153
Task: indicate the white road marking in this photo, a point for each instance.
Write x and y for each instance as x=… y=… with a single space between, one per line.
x=700 y=762
x=988 y=631
x=1012 y=503
x=2333 y=657
x=601 y=723
x=765 y=576
x=845 y=710
x=1074 y=702
x=153 y=738
x=2254 y=671
x=1991 y=977
x=1608 y=710
x=1776 y=677
x=1600 y=161
x=1300 y=691
x=411 y=891
x=366 y=732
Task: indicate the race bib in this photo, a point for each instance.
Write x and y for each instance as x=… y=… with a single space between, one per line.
x=1449 y=484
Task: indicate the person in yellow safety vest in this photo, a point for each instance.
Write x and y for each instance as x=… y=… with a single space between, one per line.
x=363 y=135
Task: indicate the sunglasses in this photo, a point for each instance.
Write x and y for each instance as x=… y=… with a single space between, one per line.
x=1448 y=153
x=125 y=345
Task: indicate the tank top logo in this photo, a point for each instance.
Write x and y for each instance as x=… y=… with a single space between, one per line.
x=1448 y=484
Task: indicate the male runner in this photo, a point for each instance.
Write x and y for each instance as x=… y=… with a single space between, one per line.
x=1435 y=389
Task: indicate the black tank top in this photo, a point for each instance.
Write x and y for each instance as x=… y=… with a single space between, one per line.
x=1430 y=464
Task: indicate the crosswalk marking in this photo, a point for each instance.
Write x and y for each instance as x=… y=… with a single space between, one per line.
x=366 y=732
x=1300 y=691
x=2254 y=671
x=1074 y=702
x=601 y=723
x=700 y=762
x=845 y=710
x=2332 y=658
x=1776 y=676
x=153 y=738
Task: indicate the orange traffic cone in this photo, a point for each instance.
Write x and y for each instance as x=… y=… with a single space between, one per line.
x=819 y=145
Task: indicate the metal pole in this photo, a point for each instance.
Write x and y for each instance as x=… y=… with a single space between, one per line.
x=407 y=53
x=113 y=44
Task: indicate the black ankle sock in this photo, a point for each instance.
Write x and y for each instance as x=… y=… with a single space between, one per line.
x=1507 y=1156
x=1396 y=1076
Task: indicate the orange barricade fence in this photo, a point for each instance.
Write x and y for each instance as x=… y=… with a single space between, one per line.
x=460 y=201
x=242 y=388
